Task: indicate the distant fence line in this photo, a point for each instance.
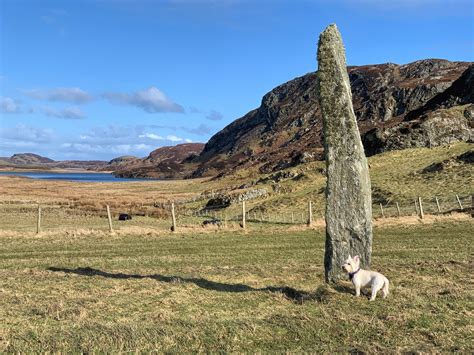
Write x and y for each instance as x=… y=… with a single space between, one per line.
x=174 y=215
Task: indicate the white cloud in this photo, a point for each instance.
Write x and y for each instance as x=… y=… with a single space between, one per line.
x=174 y=138
x=73 y=95
x=8 y=105
x=152 y=100
x=151 y=136
x=69 y=113
x=170 y=137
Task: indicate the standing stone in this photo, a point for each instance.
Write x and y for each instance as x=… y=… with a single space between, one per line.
x=348 y=194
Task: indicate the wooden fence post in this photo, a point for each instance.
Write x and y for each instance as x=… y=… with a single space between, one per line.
x=111 y=230
x=310 y=214
x=416 y=208
x=420 y=205
x=292 y=217
x=437 y=204
x=243 y=214
x=173 y=218
x=38 y=221
x=472 y=206
x=381 y=209
x=398 y=209
x=459 y=202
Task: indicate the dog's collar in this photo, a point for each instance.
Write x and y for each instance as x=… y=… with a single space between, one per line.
x=352 y=274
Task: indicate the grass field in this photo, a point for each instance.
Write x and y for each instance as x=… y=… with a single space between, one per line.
x=233 y=291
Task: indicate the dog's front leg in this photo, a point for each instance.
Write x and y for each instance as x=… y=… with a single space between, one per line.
x=357 y=286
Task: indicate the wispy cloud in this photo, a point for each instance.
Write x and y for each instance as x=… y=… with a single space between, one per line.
x=72 y=95
x=152 y=136
x=53 y=15
x=438 y=7
x=171 y=137
x=22 y=134
x=9 y=105
x=200 y=130
x=56 y=19
x=193 y=109
x=116 y=135
x=68 y=113
x=215 y=115
x=111 y=134
x=118 y=149
x=151 y=100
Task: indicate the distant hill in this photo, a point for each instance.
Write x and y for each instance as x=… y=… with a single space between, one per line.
x=35 y=161
x=29 y=159
x=164 y=162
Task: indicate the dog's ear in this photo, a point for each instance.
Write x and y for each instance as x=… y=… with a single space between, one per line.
x=350 y=257
x=356 y=258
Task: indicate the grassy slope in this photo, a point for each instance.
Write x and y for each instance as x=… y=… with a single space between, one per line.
x=396 y=177
x=220 y=292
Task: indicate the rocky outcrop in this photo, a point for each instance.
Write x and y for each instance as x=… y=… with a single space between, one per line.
x=445 y=118
x=388 y=101
x=439 y=127
x=348 y=191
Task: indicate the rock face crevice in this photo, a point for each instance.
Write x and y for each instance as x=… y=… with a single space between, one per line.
x=348 y=190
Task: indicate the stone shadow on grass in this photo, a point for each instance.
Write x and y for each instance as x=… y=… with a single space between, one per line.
x=290 y=293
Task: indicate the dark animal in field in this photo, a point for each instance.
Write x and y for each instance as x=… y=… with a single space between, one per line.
x=124 y=217
x=212 y=222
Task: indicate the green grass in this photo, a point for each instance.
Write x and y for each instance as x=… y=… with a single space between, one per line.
x=262 y=290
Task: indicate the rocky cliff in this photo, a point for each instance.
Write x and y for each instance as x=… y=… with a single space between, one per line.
x=425 y=103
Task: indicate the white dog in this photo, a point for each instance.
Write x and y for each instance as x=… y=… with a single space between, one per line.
x=362 y=278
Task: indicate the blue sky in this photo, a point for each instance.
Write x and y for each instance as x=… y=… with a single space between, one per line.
x=99 y=79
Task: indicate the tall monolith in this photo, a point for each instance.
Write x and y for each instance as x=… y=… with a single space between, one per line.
x=348 y=194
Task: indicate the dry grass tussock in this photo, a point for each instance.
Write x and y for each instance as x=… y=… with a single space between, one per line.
x=428 y=219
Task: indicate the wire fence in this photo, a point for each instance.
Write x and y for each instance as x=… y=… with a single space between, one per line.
x=28 y=217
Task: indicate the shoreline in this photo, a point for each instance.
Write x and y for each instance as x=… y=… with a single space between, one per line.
x=52 y=170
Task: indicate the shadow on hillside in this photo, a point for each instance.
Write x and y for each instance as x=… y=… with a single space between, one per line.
x=290 y=293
